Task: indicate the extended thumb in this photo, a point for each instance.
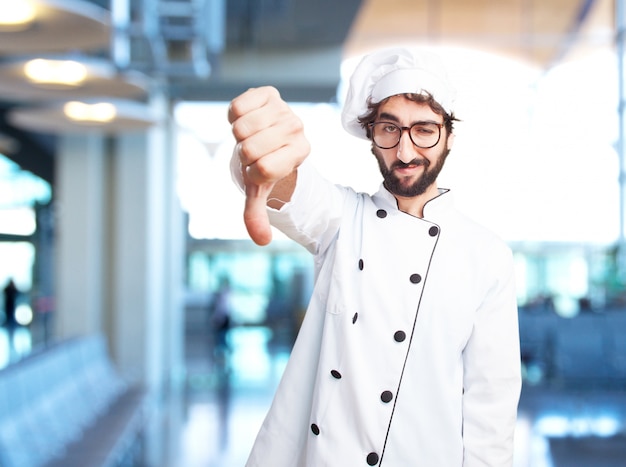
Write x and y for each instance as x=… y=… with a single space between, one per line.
x=255 y=213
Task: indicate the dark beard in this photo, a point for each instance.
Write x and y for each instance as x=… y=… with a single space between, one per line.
x=394 y=184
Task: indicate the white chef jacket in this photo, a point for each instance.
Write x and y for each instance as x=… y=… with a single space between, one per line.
x=408 y=354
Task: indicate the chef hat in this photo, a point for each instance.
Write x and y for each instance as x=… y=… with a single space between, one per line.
x=394 y=71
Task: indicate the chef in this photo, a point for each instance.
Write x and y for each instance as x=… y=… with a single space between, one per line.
x=409 y=351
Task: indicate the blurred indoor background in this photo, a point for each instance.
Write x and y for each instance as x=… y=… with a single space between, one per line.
x=118 y=218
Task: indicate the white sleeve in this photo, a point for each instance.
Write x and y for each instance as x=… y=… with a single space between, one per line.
x=492 y=378
x=313 y=215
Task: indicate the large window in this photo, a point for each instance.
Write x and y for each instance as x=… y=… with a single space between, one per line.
x=19 y=192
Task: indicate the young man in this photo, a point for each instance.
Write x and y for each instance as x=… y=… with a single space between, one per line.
x=409 y=351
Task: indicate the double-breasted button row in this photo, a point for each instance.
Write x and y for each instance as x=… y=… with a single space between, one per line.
x=433 y=231
x=414 y=278
x=385 y=396
x=371 y=459
x=399 y=336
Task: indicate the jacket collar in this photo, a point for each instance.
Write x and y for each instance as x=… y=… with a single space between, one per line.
x=434 y=209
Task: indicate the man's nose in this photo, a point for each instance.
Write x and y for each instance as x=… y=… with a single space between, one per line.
x=406 y=148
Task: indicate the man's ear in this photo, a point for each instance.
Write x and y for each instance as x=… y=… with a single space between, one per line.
x=451 y=140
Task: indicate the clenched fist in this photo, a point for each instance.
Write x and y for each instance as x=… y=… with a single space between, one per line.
x=270 y=145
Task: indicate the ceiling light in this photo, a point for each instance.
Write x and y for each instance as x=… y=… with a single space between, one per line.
x=56 y=26
x=101 y=80
x=77 y=117
x=55 y=73
x=101 y=112
x=17 y=16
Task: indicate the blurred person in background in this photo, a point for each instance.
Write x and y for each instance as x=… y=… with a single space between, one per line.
x=11 y=293
x=220 y=316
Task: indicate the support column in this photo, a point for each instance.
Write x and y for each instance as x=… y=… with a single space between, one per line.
x=80 y=209
x=146 y=272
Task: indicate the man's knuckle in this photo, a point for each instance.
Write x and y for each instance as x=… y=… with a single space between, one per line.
x=264 y=169
x=236 y=107
x=272 y=91
x=240 y=130
x=246 y=152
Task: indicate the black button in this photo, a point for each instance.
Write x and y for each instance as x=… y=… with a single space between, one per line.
x=372 y=458
x=361 y=264
x=355 y=317
x=433 y=231
x=381 y=213
x=335 y=374
x=415 y=278
x=315 y=429
x=399 y=336
x=386 y=396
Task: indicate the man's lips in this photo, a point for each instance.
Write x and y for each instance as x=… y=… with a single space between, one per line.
x=403 y=168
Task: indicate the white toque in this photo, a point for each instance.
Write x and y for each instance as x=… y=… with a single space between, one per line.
x=388 y=72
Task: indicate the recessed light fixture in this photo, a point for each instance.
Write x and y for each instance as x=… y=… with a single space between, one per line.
x=17 y=16
x=81 y=112
x=102 y=116
x=55 y=73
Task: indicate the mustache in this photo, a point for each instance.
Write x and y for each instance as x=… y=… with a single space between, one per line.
x=415 y=162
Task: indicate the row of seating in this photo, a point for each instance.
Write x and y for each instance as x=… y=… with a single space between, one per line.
x=588 y=349
x=66 y=405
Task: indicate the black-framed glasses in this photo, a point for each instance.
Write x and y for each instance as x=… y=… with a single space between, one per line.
x=386 y=135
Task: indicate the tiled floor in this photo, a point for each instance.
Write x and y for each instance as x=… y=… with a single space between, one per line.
x=557 y=427
x=224 y=404
x=212 y=420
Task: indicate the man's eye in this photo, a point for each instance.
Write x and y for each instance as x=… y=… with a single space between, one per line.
x=424 y=129
x=390 y=129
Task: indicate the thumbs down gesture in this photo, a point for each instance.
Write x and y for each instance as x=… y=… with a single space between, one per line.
x=270 y=146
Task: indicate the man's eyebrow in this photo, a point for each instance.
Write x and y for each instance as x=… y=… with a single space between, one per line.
x=385 y=116
x=388 y=116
